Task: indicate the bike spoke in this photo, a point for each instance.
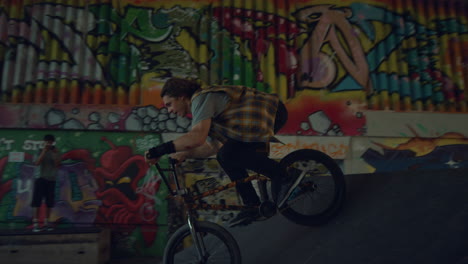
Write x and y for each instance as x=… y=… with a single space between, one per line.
x=317 y=188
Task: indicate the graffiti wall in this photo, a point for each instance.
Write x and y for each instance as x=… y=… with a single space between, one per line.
x=204 y=175
x=415 y=124
x=378 y=84
x=92 y=117
x=103 y=180
x=337 y=57
x=449 y=151
x=409 y=141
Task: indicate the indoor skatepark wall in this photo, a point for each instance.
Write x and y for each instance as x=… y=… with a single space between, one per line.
x=377 y=85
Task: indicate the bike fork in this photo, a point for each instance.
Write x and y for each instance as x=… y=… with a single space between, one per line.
x=198 y=241
x=291 y=189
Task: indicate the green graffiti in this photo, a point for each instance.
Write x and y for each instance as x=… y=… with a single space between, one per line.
x=146 y=30
x=139 y=23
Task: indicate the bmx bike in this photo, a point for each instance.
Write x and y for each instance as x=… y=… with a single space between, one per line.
x=315 y=196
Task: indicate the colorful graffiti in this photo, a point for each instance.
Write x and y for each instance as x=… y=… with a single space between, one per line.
x=335 y=147
x=103 y=180
x=80 y=117
x=88 y=68
x=204 y=175
x=378 y=54
x=446 y=152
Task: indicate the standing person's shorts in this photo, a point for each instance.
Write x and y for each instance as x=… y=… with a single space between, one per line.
x=43 y=189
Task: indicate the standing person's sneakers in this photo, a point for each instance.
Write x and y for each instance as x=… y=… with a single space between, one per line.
x=244 y=217
x=49 y=227
x=36 y=227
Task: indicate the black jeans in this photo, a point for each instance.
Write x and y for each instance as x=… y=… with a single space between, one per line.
x=236 y=157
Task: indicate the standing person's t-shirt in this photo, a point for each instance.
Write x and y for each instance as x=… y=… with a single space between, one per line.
x=48 y=166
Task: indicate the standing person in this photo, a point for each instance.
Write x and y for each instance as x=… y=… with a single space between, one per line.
x=44 y=186
x=236 y=122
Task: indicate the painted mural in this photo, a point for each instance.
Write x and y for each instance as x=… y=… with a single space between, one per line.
x=204 y=175
x=409 y=141
x=93 y=117
x=324 y=58
x=384 y=155
x=103 y=181
x=352 y=75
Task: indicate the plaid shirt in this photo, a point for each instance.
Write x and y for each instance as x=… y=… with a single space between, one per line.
x=249 y=117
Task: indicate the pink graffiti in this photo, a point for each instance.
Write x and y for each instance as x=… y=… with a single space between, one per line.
x=317 y=69
x=329 y=21
x=260 y=36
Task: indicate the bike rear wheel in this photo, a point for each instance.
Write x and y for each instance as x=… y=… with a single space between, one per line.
x=220 y=246
x=321 y=192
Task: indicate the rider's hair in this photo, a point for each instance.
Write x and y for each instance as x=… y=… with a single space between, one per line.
x=178 y=87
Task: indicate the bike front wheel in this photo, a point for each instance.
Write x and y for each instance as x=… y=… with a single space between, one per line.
x=218 y=245
x=320 y=193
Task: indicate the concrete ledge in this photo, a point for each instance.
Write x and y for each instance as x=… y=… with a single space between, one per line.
x=90 y=246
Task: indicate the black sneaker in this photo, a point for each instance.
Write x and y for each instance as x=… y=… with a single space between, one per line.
x=288 y=186
x=244 y=217
x=49 y=227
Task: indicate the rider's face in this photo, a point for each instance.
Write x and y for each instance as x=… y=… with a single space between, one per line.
x=178 y=105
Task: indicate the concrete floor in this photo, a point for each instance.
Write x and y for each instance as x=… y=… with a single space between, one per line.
x=410 y=217
x=406 y=218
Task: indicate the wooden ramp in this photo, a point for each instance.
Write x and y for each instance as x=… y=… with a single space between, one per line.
x=77 y=245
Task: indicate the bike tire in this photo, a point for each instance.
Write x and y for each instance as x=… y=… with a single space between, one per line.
x=321 y=197
x=220 y=245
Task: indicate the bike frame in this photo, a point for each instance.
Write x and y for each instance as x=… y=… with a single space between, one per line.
x=190 y=200
x=299 y=164
x=191 y=206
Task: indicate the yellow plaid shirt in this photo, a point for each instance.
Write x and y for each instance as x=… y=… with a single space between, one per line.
x=249 y=117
